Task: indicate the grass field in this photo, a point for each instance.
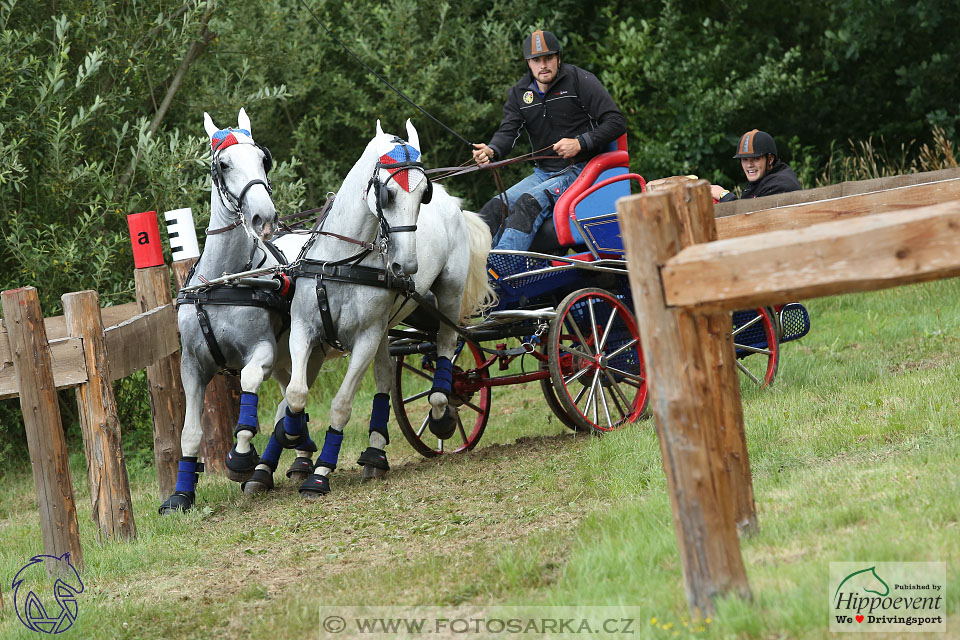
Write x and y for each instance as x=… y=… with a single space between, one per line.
x=854 y=454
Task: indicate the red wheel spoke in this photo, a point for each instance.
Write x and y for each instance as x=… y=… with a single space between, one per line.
x=748 y=373
x=606 y=331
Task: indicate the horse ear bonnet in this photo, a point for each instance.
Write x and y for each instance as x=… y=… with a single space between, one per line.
x=384 y=196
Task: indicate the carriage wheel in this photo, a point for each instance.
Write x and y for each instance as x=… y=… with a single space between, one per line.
x=413 y=381
x=755 y=335
x=596 y=363
x=550 y=396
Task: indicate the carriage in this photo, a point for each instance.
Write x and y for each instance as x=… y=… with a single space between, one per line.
x=569 y=312
x=565 y=307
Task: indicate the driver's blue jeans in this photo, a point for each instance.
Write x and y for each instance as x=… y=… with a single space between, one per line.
x=539 y=185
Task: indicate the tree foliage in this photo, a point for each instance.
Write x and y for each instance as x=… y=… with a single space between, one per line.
x=101 y=101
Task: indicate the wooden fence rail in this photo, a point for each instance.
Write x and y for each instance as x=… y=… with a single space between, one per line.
x=684 y=281
x=88 y=348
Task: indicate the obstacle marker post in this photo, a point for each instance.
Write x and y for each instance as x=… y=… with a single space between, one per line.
x=167 y=403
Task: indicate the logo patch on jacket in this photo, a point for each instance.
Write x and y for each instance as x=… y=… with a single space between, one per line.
x=528 y=97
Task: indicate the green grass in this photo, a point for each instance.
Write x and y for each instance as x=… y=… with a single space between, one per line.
x=853 y=451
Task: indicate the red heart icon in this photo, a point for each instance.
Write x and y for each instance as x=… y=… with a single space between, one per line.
x=859 y=618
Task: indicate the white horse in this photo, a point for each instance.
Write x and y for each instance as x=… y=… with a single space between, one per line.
x=346 y=298
x=234 y=327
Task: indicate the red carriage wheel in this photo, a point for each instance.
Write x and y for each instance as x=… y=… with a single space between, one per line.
x=596 y=363
x=550 y=396
x=413 y=381
x=757 y=345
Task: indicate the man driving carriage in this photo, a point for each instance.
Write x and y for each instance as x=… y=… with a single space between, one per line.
x=568 y=116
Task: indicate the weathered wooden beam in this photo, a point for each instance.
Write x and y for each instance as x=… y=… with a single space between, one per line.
x=681 y=392
x=140 y=341
x=167 y=402
x=715 y=336
x=41 y=416
x=67 y=363
x=861 y=254
x=221 y=401
x=804 y=215
x=842 y=189
x=99 y=423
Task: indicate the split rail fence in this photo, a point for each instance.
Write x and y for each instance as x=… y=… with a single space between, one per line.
x=88 y=348
x=689 y=269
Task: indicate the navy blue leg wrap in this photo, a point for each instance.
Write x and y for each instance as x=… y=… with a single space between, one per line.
x=187 y=475
x=331 y=449
x=381 y=414
x=271 y=455
x=293 y=422
x=248 y=413
x=443 y=376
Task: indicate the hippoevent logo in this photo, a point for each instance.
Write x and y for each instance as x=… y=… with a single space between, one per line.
x=891 y=597
x=39 y=606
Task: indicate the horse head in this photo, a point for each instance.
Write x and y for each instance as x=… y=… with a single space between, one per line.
x=397 y=188
x=239 y=169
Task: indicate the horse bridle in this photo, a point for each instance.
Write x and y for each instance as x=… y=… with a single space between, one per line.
x=236 y=202
x=383 y=193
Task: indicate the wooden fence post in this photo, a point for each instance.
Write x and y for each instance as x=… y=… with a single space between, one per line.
x=41 y=418
x=221 y=401
x=99 y=423
x=167 y=402
x=695 y=208
x=683 y=402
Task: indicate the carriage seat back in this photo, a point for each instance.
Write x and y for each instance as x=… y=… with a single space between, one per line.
x=612 y=162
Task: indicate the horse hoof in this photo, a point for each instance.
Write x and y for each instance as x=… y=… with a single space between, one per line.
x=260 y=482
x=240 y=466
x=445 y=426
x=371 y=473
x=180 y=501
x=315 y=486
x=299 y=469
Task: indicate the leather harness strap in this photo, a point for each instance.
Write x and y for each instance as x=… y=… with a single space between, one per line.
x=348 y=273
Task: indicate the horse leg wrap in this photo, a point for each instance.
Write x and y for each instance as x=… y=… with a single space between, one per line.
x=444 y=426
x=443 y=377
x=248 y=414
x=493 y=213
x=188 y=472
x=380 y=415
x=525 y=212
x=293 y=431
x=271 y=454
x=330 y=454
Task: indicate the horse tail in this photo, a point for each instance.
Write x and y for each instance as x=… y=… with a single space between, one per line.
x=477 y=292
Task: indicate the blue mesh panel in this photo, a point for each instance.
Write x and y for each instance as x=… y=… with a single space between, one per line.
x=754 y=336
x=795 y=321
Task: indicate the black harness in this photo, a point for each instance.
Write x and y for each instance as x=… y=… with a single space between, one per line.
x=349 y=270
x=277 y=301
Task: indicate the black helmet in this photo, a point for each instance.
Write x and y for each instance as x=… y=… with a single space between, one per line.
x=540 y=43
x=754 y=144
